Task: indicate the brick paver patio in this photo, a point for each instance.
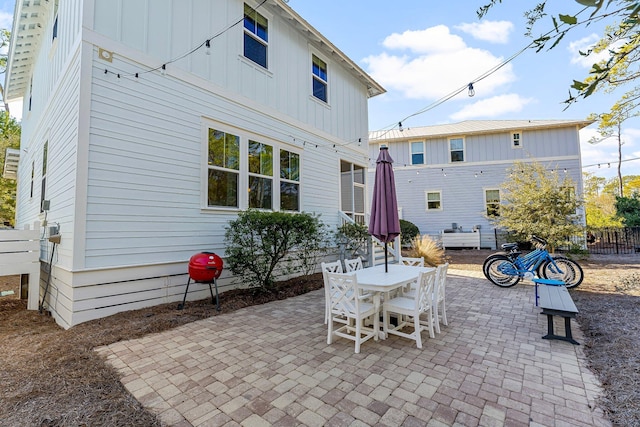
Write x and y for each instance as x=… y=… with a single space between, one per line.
x=271 y=365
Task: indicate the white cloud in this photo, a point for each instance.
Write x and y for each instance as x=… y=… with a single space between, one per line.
x=491 y=31
x=583 y=45
x=434 y=39
x=439 y=69
x=6 y=19
x=492 y=107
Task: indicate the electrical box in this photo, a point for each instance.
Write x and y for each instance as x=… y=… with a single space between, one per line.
x=54 y=229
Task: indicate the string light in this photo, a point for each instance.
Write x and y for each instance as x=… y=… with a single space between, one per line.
x=208 y=45
x=471 y=90
x=400 y=128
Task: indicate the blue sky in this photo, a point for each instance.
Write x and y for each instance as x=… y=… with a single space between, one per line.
x=422 y=50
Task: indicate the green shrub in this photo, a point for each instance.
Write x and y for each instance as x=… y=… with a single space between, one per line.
x=259 y=243
x=354 y=237
x=408 y=231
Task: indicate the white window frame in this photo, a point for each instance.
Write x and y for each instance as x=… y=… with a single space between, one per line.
x=243 y=169
x=257 y=38
x=411 y=152
x=486 y=203
x=426 y=198
x=464 y=149
x=358 y=217
x=315 y=77
x=516 y=136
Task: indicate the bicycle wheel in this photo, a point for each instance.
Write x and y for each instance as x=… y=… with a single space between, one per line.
x=565 y=269
x=492 y=257
x=501 y=271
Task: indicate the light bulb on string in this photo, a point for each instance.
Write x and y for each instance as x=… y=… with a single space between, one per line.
x=471 y=90
x=208 y=45
x=163 y=71
x=400 y=128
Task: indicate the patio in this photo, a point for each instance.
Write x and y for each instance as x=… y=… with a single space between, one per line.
x=270 y=365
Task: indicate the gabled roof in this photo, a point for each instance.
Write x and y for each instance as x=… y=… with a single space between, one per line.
x=471 y=127
x=29 y=21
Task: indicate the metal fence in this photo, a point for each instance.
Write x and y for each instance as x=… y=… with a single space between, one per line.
x=614 y=240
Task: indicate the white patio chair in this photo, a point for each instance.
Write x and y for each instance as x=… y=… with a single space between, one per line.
x=353 y=264
x=329 y=267
x=349 y=308
x=410 y=310
x=439 y=296
x=413 y=262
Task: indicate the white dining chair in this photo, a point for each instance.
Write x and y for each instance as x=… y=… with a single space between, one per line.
x=353 y=264
x=412 y=262
x=439 y=296
x=329 y=267
x=410 y=310
x=350 y=308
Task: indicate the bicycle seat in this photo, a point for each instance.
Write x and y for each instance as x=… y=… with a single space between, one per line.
x=509 y=246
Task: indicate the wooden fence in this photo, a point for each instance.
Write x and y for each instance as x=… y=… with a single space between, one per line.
x=20 y=254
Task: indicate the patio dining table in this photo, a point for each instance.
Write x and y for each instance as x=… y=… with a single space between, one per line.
x=376 y=280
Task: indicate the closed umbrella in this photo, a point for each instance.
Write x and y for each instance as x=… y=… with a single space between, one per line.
x=384 y=223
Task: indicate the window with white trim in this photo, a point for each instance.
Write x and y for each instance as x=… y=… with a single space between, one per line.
x=223 y=169
x=43 y=188
x=516 y=140
x=456 y=149
x=256 y=36
x=434 y=200
x=492 y=202
x=417 y=153
x=247 y=171
x=352 y=190
x=319 y=78
x=54 y=31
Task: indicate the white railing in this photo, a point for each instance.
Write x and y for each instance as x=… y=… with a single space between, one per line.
x=375 y=248
x=20 y=254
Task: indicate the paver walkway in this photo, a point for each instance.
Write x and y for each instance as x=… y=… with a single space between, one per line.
x=271 y=365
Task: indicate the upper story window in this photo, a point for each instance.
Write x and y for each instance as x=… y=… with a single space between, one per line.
x=516 y=140
x=492 y=202
x=319 y=77
x=33 y=177
x=255 y=36
x=417 y=153
x=54 y=32
x=223 y=169
x=434 y=200
x=260 y=175
x=456 y=148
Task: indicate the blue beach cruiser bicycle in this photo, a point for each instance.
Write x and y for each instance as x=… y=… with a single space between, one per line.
x=507 y=268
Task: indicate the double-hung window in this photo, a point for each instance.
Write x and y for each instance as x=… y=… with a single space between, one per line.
x=289 y=181
x=492 y=202
x=256 y=29
x=260 y=175
x=516 y=140
x=319 y=77
x=245 y=171
x=434 y=200
x=43 y=188
x=456 y=148
x=417 y=153
x=223 y=169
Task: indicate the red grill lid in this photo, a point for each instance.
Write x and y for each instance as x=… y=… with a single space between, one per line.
x=205 y=266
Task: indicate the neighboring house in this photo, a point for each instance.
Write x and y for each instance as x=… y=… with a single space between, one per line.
x=448 y=176
x=147 y=125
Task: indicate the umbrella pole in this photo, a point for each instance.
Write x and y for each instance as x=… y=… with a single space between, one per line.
x=386 y=267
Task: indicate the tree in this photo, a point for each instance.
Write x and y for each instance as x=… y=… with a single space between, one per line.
x=621 y=42
x=9 y=138
x=535 y=200
x=629 y=210
x=600 y=205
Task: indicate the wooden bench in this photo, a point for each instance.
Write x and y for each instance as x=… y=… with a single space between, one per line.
x=460 y=240
x=554 y=299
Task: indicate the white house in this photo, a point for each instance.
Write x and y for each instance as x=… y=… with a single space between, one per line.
x=448 y=176
x=138 y=124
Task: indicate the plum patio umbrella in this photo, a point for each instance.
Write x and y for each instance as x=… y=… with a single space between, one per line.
x=384 y=223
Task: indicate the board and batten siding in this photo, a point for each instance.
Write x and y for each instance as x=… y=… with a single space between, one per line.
x=286 y=86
